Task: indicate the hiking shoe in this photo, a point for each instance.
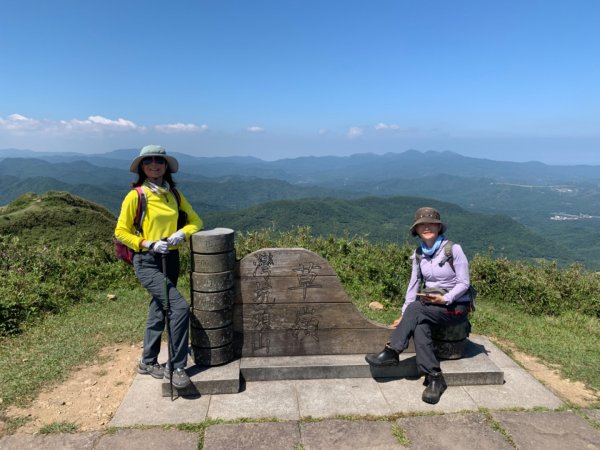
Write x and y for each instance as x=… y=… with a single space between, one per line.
x=387 y=357
x=154 y=369
x=180 y=378
x=436 y=387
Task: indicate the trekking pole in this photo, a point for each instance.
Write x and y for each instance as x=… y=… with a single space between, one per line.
x=168 y=320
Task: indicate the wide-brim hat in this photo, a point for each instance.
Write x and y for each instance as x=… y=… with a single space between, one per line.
x=427 y=215
x=154 y=150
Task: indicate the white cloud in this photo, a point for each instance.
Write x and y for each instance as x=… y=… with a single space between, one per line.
x=255 y=129
x=112 y=123
x=385 y=126
x=355 y=132
x=96 y=124
x=19 y=123
x=181 y=128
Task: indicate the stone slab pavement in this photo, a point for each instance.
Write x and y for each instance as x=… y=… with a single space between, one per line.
x=313 y=414
x=504 y=430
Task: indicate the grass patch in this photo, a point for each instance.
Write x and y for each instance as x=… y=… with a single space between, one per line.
x=568 y=342
x=44 y=354
x=498 y=428
x=399 y=434
x=59 y=427
x=13 y=424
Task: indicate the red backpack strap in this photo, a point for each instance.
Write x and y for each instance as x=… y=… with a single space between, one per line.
x=141 y=209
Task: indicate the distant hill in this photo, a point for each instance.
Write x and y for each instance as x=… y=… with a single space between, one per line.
x=389 y=219
x=56 y=217
x=520 y=201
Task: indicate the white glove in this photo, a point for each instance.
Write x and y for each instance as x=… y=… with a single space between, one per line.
x=176 y=238
x=160 y=247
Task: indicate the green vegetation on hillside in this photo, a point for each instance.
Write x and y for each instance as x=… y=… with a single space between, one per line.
x=373 y=271
x=52 y=217
x=55 y=251
x=388 y=220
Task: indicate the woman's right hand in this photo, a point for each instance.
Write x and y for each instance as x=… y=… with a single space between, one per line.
x=396 y=322
x=160 y=247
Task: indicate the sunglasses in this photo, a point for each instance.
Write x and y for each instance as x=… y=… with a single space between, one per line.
x=153 y=159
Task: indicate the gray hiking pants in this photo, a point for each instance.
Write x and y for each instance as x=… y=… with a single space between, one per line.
x=148 y=268
x=417 y=320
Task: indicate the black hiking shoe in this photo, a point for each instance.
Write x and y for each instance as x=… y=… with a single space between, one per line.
x=388 y=357
x=181 y=379
x=436 y=387
x=154 y=369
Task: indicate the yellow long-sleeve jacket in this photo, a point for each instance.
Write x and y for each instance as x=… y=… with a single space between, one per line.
x=160 y=219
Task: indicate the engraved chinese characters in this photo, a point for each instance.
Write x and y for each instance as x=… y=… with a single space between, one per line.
x=289 y=302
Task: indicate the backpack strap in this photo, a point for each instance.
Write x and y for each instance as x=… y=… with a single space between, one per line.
x=448 y=255
x=419 y=258
x=181 y=215
x=448 y=258
x=177 y=197
x=141 y=210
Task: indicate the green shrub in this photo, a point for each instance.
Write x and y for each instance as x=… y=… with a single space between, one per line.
x=541 y=288
x=47 y=278
x=380 y=272
x=39 y=279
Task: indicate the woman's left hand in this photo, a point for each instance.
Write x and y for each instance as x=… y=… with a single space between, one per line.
x=176 y=238
x=434 y=298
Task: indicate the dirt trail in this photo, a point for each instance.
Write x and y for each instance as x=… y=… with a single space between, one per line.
x=572 y=391
x=89 y=398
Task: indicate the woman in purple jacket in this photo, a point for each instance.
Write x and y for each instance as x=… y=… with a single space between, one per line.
x=437 y=294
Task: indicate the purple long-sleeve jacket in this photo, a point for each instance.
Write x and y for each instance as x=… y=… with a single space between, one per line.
x=443 y=277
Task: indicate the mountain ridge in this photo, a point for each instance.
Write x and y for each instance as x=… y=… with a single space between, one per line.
x=359 y=166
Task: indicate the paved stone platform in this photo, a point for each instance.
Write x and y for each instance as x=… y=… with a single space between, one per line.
x=325 y=398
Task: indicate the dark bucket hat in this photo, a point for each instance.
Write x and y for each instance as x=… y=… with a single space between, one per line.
x=427 y=215
x=154 y=150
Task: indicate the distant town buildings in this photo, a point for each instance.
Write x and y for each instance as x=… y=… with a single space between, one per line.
x=563 y=216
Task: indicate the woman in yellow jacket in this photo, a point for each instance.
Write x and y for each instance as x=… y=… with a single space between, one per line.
x=159 y=236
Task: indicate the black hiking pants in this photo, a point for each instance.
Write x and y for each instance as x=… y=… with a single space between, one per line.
x=417 y=320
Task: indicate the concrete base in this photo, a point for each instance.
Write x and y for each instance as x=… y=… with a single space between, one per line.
x=475 y=368
x=223 y=379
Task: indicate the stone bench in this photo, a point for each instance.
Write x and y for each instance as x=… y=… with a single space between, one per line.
x=450 y=342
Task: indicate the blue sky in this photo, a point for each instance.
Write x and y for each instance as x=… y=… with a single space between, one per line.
x=506 y=80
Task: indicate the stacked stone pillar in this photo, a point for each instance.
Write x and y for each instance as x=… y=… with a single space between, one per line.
x=212 y=295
